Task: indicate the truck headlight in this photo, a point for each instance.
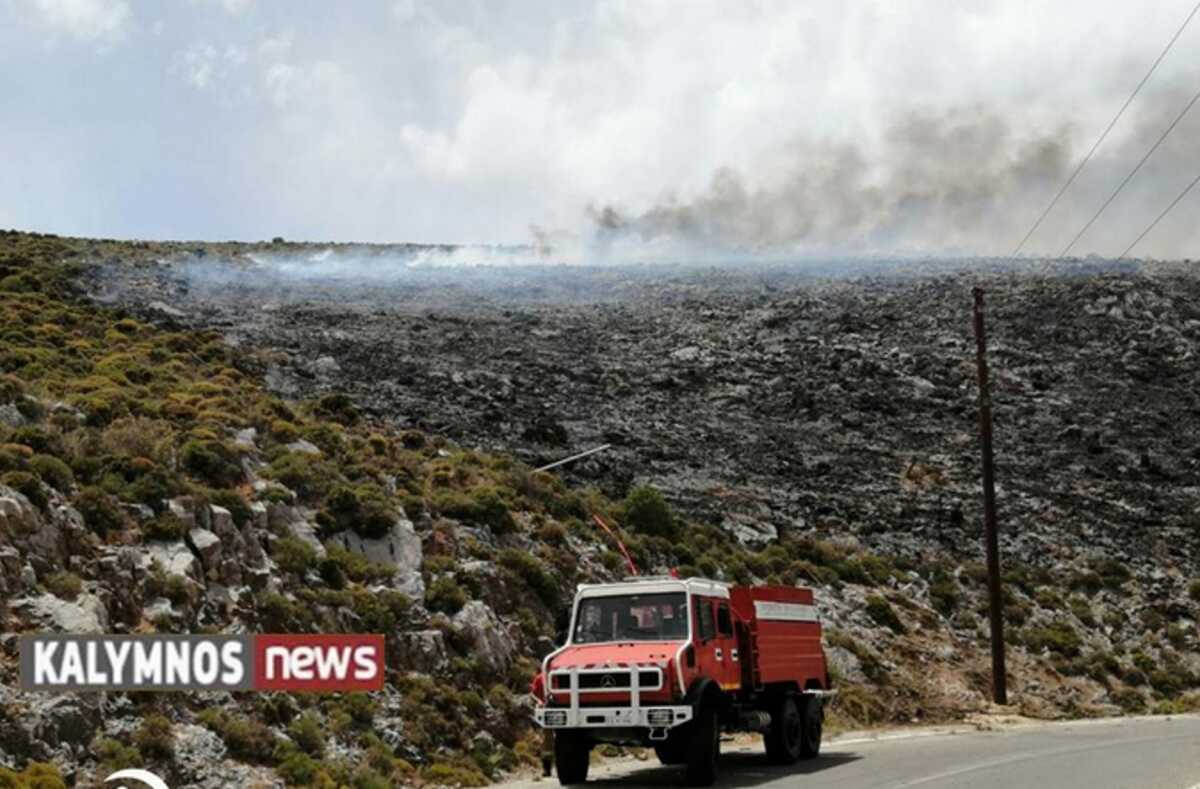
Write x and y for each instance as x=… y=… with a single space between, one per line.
x=555 y=717
x=659 y=717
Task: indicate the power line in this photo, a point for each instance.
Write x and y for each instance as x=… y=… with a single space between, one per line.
x=1158 y=219
x=1129 y=177
x=1111 y=124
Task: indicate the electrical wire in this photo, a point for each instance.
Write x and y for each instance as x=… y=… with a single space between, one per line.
x=1159 y=218
x=1129 y=177
x=1102 y=137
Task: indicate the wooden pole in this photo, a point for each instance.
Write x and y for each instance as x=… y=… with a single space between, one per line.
x=995 y=597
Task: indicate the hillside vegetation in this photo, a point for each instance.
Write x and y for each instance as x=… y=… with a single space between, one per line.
x=149 y=482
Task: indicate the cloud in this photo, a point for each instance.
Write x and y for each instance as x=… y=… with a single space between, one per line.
x=87 y=20
x=204 y=65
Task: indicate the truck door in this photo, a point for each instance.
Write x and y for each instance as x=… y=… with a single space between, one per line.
x=704 y=638
x=716 y=647
x=729 y=663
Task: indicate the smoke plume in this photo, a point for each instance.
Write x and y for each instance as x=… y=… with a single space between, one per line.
x=964 y=181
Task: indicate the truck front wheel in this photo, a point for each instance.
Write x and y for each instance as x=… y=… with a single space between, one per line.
x=814 y=719
x=704 y=748
x=674 y=749
x=571 y=754
x=783 y=739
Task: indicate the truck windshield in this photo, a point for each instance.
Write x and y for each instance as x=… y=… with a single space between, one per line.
x=644 y=617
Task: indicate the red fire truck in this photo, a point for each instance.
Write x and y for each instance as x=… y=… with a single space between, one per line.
x=672 y=663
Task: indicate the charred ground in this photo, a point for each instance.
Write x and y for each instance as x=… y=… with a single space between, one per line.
x=177 y=453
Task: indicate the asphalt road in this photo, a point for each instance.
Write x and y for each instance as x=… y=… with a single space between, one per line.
x=1149 y=753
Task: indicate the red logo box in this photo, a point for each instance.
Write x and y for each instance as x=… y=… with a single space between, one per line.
x=322 y=663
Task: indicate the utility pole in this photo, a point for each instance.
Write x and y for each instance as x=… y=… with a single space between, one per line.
x=995 y=599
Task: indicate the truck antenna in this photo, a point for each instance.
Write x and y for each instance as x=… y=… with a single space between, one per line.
x=633 y=570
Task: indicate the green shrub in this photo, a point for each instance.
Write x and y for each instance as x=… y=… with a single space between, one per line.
x=1057 y=637
x=1087 y=582
x=12 y=388
x=338 y=408
x=307 y=733
x=155 y=737
x=1129 y=700
x=36 y=775
x=382 y=611
x=1082 y=609
x=442 y=774
x=101 y=512
x=212 y=461
x=483 y=505
x=945 y=595
x=298 y=769
x=166 y=527
x=1113 y=574
x=363 y=508
x=46 y=442
x=647 y=512
x=354 y=566
x=294 y=555
x=233 y=501
x=1048 y=599
x=1167 y=682
x=445 y=595
x=246 y=738
x=53 y=472
x=304 y=474
x=63 y=584
x=111 y=754
x=27 y=484
x=173 y=587
x=284 y=431
x=882 y=613
x=530 y=570
x=280 y=614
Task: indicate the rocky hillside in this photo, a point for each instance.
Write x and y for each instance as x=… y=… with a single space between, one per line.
x=186 y=456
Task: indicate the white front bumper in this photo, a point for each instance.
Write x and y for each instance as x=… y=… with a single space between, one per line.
x=650 y=717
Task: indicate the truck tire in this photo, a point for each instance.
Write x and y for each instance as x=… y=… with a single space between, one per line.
x=571 y=754
x=784 y=739
x=673 y=750
x=704 y=748
x=813 y=715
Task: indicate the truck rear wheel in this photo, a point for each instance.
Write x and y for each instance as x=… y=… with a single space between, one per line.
x=783 y=739
x=704 y=749
x=810 y=736
x=571 y=754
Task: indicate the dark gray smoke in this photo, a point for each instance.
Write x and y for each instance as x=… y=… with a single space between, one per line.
x=935 y=181
x=965 y=181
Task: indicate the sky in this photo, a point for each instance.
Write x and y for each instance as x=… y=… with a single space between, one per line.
x=887 y=127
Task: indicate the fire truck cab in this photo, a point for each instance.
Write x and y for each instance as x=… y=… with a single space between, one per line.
x=672 y=663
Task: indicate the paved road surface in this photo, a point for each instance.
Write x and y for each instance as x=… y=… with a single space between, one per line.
x=1149 y=753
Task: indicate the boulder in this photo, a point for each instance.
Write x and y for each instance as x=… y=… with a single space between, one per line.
x=206 y=545
x=85 y=614
x=400 y=547
x=304 y=447
x=63 y=724
x=175 y=557
x=419 y=650
x=11 y=416
x=477 y=625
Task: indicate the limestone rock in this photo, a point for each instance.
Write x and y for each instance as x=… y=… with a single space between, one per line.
x=479 y=626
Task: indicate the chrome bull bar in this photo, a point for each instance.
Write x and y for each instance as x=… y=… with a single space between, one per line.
x=635 y=715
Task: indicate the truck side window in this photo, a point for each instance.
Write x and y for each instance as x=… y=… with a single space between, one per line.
x=704 y=619
x=724 y=622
